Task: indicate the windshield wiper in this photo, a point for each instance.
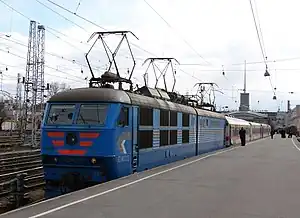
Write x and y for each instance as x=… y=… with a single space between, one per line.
x=81 y=117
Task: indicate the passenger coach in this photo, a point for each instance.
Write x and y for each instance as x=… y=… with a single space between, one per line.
x=254 y=130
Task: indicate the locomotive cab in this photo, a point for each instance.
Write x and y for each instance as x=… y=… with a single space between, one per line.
x=85 y=143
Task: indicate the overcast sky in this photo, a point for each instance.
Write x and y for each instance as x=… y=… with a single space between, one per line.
x=206 y=34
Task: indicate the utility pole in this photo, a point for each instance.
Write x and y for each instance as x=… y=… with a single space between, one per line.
x=18 y=103
x=40 y=84
x=245 y=78
x=30 y=83
x=1 y=73
x=34 y=81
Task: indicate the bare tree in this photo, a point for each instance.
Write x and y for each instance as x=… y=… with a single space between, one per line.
x=56 y=87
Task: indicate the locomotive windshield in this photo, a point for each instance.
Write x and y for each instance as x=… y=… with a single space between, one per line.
x=61 y=114
x=92 y=114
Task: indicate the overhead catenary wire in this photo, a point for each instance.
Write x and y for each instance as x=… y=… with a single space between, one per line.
x=260 y=31
x=47 y=66
x=79 y=2
x=258 y=35
x=95 y=24
x=75 y=15
x=74 y=23
x=185 y=41
x=47 y=27
x=261 y=43
x=28 y=18
x=53 y=29
x=248 y=62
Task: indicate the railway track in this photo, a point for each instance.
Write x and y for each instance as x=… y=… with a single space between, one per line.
x=27 y=162
x=14 y=163
x=14 y=142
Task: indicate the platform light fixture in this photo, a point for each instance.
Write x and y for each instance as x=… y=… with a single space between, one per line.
x=267 y=72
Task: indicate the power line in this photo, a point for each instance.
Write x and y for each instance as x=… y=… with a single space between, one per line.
x=268 y=61
x=169 y=25
x=21 y=57
x=258 y=36
x=241 y=70
x=3 y=2
x=73 y=61
x=77 y=15
x=262 y=38
x=95 y=24
x=61 y=15
x=48 y=27
x=28 y=18
x=49 y=53
x=258 y=90
x=77 y=7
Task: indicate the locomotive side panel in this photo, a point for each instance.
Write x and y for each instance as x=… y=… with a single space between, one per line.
x=211 y=134
x=173 y=138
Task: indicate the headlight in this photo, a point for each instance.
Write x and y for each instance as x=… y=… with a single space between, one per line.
x=93 y=160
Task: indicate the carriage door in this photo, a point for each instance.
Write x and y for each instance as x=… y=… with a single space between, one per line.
x=227 y=135
x=135 y=147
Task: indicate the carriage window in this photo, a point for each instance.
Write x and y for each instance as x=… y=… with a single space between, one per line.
x=185 y=119
x=92 y=114
x=164 y=118
x=146 y=116
x=145 y=139
x=124 y=117
x=173 y=118
x=61 y=114
x=164 y=137
x=185 y=136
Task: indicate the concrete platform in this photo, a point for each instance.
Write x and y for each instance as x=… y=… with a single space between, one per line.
x=261 y=180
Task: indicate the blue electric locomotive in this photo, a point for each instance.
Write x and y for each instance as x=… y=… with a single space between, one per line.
x=91 y=135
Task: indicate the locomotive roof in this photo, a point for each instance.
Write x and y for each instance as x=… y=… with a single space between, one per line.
x=91 y=94
x=209 y=113
x=115 y=95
